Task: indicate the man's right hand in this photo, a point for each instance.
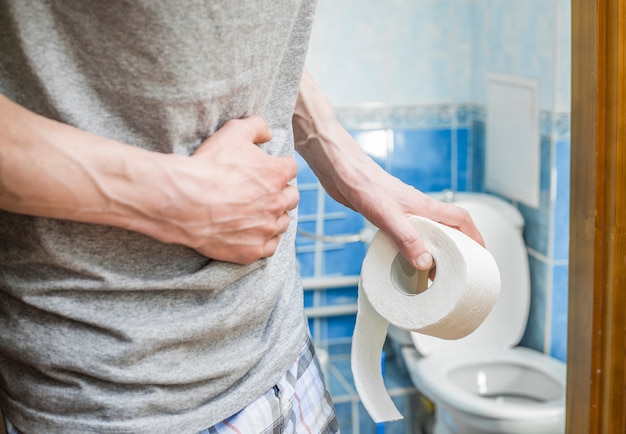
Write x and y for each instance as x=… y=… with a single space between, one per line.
x=230 y=200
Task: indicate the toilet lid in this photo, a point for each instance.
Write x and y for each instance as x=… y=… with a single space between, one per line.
x=506 y=323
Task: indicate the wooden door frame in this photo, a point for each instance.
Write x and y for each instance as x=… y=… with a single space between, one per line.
x=596 y=357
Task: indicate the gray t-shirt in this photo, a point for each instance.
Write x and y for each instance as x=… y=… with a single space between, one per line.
x=104 y=330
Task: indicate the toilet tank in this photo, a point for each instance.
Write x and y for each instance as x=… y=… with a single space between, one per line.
x=501 y=226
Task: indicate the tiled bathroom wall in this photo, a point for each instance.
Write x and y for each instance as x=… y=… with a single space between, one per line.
x=408 y=79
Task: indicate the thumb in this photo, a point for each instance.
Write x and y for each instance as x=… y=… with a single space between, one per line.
x=411 y=245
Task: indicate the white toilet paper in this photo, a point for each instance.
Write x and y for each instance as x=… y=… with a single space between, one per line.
x=464 y=290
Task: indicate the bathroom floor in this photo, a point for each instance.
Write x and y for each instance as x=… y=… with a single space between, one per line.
x=353 y=418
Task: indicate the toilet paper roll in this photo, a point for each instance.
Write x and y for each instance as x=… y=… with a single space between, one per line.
x=464 y=290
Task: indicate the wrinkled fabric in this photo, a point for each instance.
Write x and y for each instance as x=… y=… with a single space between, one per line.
x=110 y=331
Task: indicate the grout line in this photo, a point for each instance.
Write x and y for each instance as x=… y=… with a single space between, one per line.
x=547 y=338
x=325 y=216
x=356 y=420
x=537 y=255
x=317 y=262
x=319 y=230
x=307 y=186
x=324 y=248
x=340 y=378
x=546 y=259
x=454 y=142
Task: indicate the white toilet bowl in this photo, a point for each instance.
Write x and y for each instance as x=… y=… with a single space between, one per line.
x=499 y=390
x=483 y=383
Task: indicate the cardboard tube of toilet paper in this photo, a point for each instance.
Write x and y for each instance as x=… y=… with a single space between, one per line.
x=464 y=290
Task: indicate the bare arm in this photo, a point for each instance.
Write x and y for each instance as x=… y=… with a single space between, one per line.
x=229 y=200
x=355 y=180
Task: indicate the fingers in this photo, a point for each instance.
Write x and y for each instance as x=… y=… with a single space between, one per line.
x=411 y=244
x=408 y=240
x=256 y=127
x=291 y=196
x=250 y=131
x=251 y=214
x=459 y=218
x=451 y=215
x=271 y=244
x=289 y=167
x=249 y=246
x=282 y=224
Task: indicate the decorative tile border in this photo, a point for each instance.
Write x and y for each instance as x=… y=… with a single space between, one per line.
x=478 y=113
x=381 y=116
x=562 y=124
x=369 y=117
x=545 y=123
x=555 y=125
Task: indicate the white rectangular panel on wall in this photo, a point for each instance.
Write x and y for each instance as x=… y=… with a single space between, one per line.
x=512 y=150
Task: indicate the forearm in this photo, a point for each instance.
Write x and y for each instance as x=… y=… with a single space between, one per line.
x=50 y=169
x=355 y=180
x=320 y=139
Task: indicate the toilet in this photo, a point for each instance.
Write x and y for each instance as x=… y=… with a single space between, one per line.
x=483 y=383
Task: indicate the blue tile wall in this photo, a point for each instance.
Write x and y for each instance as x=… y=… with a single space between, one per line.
x=422 y=158
x=415 y=72
x=558 y=347
x=558 y=344
x=344 y=412
x=340 y=327
x=346 y=260
x=562 y=200
x=308 y=299
x=306 y=261
x=341 y=295
x=462 y=168
x=308 y=199
x=477 y=156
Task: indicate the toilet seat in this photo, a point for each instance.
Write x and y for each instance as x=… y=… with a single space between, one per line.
x=432 y=376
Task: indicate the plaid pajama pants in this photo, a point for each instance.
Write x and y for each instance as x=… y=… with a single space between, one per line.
x=298 y=404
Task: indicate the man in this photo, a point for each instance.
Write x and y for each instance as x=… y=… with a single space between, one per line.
x=147 y=261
